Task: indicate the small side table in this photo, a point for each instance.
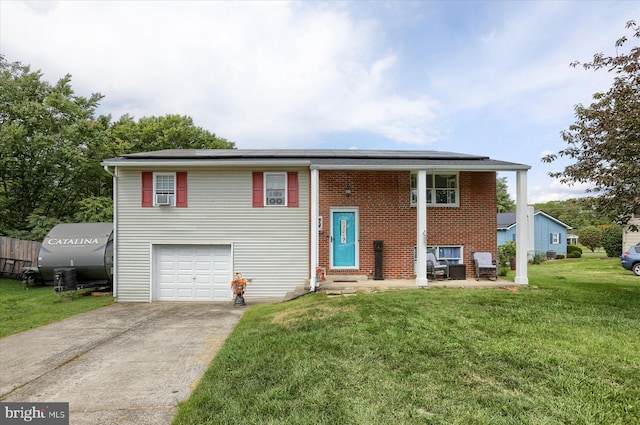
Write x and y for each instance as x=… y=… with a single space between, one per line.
x=457 y=271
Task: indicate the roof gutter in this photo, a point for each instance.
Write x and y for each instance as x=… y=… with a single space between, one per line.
x=203 y=163
x=407 y=167
x=309 y=164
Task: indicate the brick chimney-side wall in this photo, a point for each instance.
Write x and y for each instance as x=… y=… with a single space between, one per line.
x=384 y=212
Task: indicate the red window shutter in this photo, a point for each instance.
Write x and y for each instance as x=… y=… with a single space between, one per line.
x=147 y=189
x=181 y=189
x=292 y=189
x=258 y=189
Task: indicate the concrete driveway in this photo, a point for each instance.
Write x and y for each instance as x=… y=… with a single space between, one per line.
x=121 y=364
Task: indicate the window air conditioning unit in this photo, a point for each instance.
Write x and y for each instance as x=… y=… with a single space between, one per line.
x=163 y=199
x=275 y=201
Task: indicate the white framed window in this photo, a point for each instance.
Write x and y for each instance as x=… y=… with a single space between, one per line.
x=454 y=254
x=275 y=189
x=442 y=190
x=555 y=238
x=164 y=189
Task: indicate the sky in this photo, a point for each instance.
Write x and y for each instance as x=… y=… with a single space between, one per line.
x=472 y=77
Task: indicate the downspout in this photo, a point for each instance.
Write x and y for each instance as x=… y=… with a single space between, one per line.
x=114 y=273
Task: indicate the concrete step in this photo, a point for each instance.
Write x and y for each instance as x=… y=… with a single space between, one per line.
x=346 y=278
x=299 y=290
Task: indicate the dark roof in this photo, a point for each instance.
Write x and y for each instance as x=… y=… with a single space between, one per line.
x=300 y=153
x=506 y=220
x=322 y=158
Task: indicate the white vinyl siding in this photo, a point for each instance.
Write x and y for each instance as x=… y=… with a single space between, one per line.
x=270 y=245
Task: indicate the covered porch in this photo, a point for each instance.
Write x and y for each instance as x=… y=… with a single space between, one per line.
x=421 y=166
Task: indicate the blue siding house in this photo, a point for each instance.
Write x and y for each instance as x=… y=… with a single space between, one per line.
x=549 y=233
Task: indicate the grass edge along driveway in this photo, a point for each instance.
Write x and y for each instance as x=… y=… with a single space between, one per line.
x=563 y=350
x=21 y=309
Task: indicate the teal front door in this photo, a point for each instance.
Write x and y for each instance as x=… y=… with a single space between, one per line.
x=344 y=239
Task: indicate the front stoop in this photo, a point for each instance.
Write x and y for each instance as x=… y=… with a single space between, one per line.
x=346 y=278
x=349 y=285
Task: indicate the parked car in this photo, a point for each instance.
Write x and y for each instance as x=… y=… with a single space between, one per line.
x=630 y=260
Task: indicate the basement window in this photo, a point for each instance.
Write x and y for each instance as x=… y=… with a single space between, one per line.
x=452 y=253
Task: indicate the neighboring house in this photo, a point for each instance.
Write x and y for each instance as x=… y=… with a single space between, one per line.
x=630 y=238
x=549 y=233
x=186 y=220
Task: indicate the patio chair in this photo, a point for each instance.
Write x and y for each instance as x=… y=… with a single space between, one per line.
x=485 y=265
x=437 y=268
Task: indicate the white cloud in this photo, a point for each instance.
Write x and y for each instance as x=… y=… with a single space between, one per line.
x=258 y=73
x=556 y=191
x=520 y=64
x=300 y=74
x=546 y=152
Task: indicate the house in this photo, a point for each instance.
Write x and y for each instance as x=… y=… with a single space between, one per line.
x=186 y=220
x=630 y=237
x=549 y=233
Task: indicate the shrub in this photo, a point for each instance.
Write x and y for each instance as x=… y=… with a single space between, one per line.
x=574 y=254
x=572 y=248
x=591 y=237
x=539 y=257
x=560 y=257
x=505 y=253
x=612 y=240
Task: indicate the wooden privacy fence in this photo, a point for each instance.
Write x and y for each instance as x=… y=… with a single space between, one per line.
x=16 y=254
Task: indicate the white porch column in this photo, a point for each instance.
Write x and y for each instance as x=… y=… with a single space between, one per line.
x=421 y=226
x=522 y=228
x=315 y=205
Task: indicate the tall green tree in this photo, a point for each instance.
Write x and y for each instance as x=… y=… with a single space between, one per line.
x=605 y=139
x=166 y=132
x=576 y=212
x=52 y=146
x=612 y=240
x=505 y=203
x=50 y=142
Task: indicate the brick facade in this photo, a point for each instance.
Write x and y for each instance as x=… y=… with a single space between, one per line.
x=385 y=213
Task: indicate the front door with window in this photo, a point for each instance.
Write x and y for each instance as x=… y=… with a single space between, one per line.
x=344 y=239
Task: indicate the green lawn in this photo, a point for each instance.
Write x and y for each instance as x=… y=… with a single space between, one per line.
x=21 y=310
x=564 y=350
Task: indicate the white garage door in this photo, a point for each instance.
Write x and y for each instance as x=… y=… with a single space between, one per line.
x=192 y=273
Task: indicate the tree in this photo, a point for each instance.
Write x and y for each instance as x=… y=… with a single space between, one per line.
x=505 y=203
x=50 y=142
x=52 y=146
x=591 y=237
x=612 y=240
x=605 y=139
x=168 y=132
x=576 y=212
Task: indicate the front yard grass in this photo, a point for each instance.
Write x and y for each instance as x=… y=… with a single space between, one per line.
x=22 y=309
x=563 y=350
